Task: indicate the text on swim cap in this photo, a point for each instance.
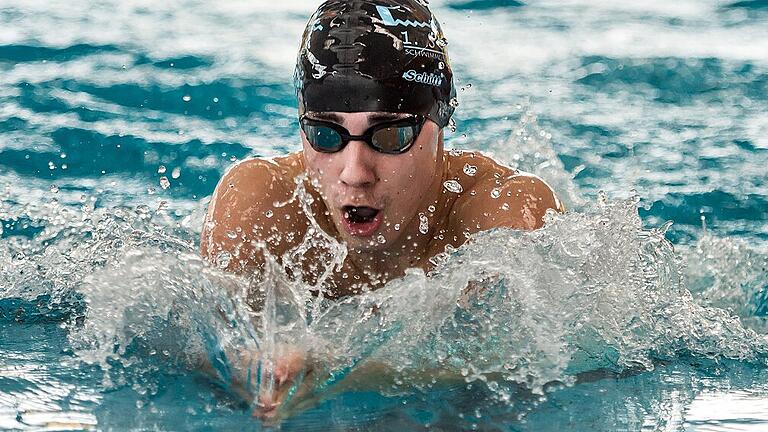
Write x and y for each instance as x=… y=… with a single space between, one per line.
x=423 y=78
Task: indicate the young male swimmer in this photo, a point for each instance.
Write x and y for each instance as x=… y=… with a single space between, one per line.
x=375 y=91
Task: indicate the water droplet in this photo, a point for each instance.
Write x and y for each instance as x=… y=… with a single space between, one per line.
x=456 y=152
x=423 y=223
x=470 y=170
x=215 y=100
x=63 y=155
x=161 y=169
x=51 y=165
x=431 y=209
x=397 y=227
x=269 y=213
x=602 y=198
x=54 y=189
x=223 y=259
x=441 y=65
x=164 y=183
x=454 y=102
x=495 y=193
x=505 y=206
x=151 y=191
x=176 y=173
x=381 y=239
x=232 y=158
x=231 y=234
x=186 y=98
x=453 y=186
x=452 y=125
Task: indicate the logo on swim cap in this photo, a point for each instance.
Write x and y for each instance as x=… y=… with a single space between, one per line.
x=424 y=78
x=388 y=20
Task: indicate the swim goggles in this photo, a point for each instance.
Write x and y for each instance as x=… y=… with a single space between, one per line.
x=389 y=137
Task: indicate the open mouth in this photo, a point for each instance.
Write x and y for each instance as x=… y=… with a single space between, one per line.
x=360 y=215
x=361 y=221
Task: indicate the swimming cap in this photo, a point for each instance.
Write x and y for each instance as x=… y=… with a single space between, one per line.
x=375 y=55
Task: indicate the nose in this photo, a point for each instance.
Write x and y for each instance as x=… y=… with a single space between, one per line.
x=358 y=165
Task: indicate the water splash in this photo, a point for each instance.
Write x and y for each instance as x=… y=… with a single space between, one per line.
x=591 y=290
x=529 y=149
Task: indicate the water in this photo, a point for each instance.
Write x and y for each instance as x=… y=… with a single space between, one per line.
x=115 y=128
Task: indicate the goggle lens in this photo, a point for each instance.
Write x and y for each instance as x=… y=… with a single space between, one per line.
x=323 y=138
x=394 y=139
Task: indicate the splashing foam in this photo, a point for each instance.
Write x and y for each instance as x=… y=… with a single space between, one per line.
x=591 y=290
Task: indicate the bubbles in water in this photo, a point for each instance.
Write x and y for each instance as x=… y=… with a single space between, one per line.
x=470 y=170
x=54 y=189
x=453 y=186
x=186 y=98
x=176 y=173
x=161 y=169
x=164 y=182
x=423 y=223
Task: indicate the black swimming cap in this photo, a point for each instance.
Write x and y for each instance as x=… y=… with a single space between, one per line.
x=375 y=55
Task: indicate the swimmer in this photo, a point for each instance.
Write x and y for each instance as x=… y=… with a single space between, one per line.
x=375 y=92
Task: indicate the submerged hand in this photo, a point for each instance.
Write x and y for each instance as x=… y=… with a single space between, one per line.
x=282 y=379
x=270 y=382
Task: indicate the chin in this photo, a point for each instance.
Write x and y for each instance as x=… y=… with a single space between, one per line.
x=364 y=244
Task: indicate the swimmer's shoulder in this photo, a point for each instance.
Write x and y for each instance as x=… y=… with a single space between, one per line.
x=252 y=205
x=499 y=196
x=264 y=175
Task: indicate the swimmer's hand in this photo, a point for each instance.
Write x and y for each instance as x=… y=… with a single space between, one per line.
x=281 y=381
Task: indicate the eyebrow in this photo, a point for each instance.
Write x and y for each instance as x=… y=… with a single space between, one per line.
x=375 y=117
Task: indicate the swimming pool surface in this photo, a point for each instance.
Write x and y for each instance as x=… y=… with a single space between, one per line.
x=117 y=118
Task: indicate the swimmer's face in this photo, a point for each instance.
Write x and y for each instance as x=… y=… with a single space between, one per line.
x=374 y=198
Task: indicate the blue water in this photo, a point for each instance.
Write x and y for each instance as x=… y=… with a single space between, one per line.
x=118 y=118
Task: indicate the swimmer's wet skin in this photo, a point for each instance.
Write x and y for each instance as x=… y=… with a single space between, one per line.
x=375 y=90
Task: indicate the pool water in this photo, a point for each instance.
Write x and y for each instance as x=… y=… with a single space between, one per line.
x=118 y=118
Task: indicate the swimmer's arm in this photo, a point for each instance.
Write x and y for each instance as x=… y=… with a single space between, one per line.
x=241 y=216
x=517 y=201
